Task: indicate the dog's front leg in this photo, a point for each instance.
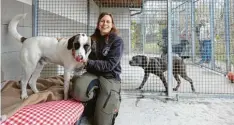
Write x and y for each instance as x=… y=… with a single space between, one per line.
x=146 y=76
x=67 y=75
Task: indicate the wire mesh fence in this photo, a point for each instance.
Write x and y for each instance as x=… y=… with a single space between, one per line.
x=205 y=24
x=143 y=27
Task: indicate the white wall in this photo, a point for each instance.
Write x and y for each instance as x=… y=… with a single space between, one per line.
x=10 y=66
x=67 y=8
x=2 y=74
x=94 y=13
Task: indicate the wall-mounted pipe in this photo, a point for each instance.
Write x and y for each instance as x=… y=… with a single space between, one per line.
x=88 y=16
x=34 y=17
x=227 y=33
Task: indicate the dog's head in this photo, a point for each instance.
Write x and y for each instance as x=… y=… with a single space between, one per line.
x=81 y=46
x=139 y=60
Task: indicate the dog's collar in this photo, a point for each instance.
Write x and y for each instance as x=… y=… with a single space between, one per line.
x=147 y=62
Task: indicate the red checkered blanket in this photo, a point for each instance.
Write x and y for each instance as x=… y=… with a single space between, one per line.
x=48 y=113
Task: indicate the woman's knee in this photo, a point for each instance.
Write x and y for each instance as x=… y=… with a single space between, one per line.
x=83 y=87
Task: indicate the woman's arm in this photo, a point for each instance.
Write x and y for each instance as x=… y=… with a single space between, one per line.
x=112 y=58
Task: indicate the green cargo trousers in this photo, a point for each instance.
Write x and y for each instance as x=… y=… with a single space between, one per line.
x=108 y=98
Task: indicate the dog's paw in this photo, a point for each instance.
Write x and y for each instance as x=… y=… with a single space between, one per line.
x=24 y=96
x=193 y=90
x=3 y=118
x=35 y=90
x=138 y=88
x=175 y=89
x=164 y=93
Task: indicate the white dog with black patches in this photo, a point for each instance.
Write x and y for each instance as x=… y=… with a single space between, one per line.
x=38 y=51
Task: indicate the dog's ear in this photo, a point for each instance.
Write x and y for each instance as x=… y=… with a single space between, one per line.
x=70 y=43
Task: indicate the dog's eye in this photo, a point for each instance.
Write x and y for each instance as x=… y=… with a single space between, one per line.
x=76 y=45
x=86 y=46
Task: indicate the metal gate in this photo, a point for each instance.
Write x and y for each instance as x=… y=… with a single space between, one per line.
x=143 y=26
x=187 y=17
x=206 y=25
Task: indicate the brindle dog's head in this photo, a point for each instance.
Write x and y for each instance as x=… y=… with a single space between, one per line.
x=81 y=45
x=138 y=60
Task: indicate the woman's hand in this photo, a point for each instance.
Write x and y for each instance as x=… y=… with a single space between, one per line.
x=84 y=61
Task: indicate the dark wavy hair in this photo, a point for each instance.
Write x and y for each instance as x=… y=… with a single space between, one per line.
x=97 y=33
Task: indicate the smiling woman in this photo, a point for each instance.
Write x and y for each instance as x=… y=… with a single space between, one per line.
x=103 y=74
x=105 y=25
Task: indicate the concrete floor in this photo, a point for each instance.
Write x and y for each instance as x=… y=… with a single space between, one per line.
x=157 y=111
x=185 y=111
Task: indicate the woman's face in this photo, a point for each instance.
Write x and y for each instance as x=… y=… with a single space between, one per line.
x=105 y=25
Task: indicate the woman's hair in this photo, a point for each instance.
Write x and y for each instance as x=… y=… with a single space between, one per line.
x=97 y=33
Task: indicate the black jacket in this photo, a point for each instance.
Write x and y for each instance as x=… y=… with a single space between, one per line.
x=109 y=51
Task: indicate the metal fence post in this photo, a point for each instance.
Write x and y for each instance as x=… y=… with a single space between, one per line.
x=88 y=16
x=186 y=18
x=169 y=76
x=193 y=29
x=227 y=33
x=211 y=8
x=143 y=27
x=34 y=17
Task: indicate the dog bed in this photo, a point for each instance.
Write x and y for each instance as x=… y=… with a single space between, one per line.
x=50 y=90
x=48 y=113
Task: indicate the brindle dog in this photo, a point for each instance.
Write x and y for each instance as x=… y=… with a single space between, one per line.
x=158 y=66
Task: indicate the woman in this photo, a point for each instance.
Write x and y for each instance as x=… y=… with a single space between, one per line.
x=206 y=41
x=106 y=66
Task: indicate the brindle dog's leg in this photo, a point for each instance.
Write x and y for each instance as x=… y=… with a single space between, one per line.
x=146 y=76
x=185 y=76
x=176 y=76
x=162 y=77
